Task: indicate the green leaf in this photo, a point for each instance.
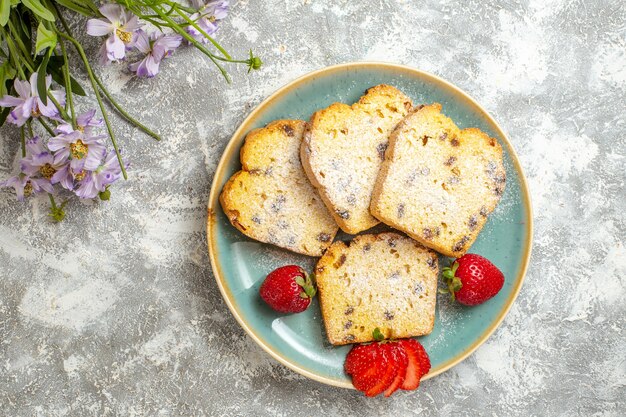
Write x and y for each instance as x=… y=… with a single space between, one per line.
x=39 y=9
x=300 y=281
x=84 y=7
x=41 y=79
x=57 y=76
x=378 y=335
x=7 y=73
x=46 y=38
x=5 y=11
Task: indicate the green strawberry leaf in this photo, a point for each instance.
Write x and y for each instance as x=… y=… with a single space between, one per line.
x=378 y=335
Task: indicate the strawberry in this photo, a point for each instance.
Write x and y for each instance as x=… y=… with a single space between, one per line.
x=423 y=358
x=366 y=364
x=402 y=362
x=388 y=376
x=473 y=279
x=414 y=369
x=288 y=289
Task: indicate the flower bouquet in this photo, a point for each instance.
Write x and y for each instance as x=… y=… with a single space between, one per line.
x=66 y=152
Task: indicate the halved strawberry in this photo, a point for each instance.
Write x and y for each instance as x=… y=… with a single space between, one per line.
x=413 y=370
x=390 y=371
x=366 y=364
x=423 y=358
x=403 y=362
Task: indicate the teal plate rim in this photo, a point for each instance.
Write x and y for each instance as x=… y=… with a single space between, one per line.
x=232 y=150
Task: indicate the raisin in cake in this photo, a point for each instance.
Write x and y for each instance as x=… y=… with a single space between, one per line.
x=387 y=281
x=343 y=148
x=438 y=184
x=271 y=199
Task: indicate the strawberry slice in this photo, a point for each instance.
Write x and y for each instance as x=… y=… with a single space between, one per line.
x=403 y=362
x=366 y=364
x=389 y=375
x=423 y=359
x=413 y=370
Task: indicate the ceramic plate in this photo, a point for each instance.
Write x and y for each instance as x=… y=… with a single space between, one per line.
x=240 y=264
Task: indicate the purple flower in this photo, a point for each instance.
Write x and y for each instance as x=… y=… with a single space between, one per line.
x=120 y=25
x=25 y=185
x=84 y=152
x=98 y=180
x=84 y=122
x=155 y=48
x=40 y=161
x=28 y=104
x=207 y=17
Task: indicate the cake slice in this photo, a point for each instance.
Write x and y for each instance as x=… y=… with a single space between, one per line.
x=387 y=281
x=271 y=200
x=343 y=148
x=438 y=184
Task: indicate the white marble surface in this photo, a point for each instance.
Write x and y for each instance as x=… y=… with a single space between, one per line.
x=116 y=312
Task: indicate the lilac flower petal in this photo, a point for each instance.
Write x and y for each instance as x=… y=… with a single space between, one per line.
x=99 y=27
x=22 y=88
x=132 y=24
x=85 y=118
x=142 y=43
x=170 y=41
x=59 y=95
x=64 y=177
x=63 y=140
x=115 y=48
x=77 y=164
x=103 y=55
x=64 y=128
x=48 y=110
x=61 y=157
x=34 y=145
x=86 y=188
x=94 y=157
x=142 y=70
x=152 y=65
x=33 y=85
x=18 y=183
x=10 y=101
x=27 y=108
x=113 y=12
x=39 y=184
x=28 y=167
x=134 y=66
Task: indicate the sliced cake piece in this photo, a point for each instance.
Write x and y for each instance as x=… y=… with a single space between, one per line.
x=438 y=184
x=387 y=281
x=343 y=148
x=271 y=199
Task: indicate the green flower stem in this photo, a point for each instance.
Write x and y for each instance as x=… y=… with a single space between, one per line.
x=195 y=25
x=68 y=84
x=195 y=43
x=45 y=126
x=96 y=90
x=23 y=137
x=189 y=10
x=123 y=112
x=56 y=212
x=113 y=102
x=30 y=128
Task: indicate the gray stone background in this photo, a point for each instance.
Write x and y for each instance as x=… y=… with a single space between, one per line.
x=115 y=311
